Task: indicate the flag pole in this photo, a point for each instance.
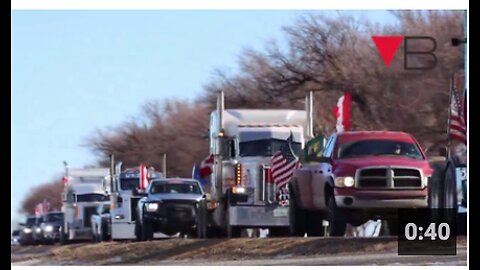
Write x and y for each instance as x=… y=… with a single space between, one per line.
x=450 y=96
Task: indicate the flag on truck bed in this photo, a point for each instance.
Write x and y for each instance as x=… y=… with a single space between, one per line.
x=284 y=163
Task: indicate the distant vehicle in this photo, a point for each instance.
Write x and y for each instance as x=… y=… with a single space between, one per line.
x=51 y=226
x=37 y=230
x=15 y=240
x=26 y=233
x=101 y=227
x=358 y=176
x=172 y=206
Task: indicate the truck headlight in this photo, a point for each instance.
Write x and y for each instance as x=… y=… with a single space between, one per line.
x=238 y=189
x=38 y=230
x=152 y=207
x=27 y=230
x=344 y=181
x=49 y=228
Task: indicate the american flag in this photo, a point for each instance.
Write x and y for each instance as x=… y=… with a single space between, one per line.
x=457 y=126
x=284 y=162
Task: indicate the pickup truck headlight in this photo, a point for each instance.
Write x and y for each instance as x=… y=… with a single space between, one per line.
x=152 y=207
x=48 y=228
x=344 y=181
x=27 y=230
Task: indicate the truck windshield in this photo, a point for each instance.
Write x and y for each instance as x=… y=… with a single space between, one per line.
x=54 y=217
x=166 y=187
x=92 y=197
x=129 y=183
x=265 y=147
x=378 y=148
x=30 y=221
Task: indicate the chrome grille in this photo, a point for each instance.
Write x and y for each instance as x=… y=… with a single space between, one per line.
x=388 y=177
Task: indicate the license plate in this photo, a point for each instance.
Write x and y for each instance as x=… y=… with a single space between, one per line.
x=280 y=212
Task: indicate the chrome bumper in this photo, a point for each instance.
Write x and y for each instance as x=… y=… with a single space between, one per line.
x=258 y=215
x=390 y=203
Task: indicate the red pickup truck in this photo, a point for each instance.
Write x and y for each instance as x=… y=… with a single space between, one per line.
x=358 y=176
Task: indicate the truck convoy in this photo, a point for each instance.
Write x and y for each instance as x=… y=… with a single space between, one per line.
x=358 y=176
x=242 y=142
x=84 y=190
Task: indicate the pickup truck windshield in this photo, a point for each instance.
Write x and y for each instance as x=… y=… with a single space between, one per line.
x=30 y=221
x=165 y=187
x=378 y=148
x=265 y=148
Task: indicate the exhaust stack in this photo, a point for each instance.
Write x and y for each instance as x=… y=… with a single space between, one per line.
x=164 y=165
x=309 y=110
x=220 y=108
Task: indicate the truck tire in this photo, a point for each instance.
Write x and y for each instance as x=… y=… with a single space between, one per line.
x=63 y=237
x=278 y=231
x=436 y=185
x=232 y=231
x=314 y=225
x=296 y=216
x=451 y=200
x=336 y=223
x=147 y=230
x=392 y=225
x=138 y=231
x=202 y=226
x=104 y=233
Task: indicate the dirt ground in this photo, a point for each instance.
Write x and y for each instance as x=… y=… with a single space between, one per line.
x=296 y=251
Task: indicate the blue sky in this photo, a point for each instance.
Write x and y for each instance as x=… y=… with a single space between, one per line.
x=76 y=71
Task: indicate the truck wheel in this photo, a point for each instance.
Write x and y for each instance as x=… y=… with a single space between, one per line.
x=435 y=186
x=296 y=216
x=392 y=225
x=314 y=225
x=278 y=231
x=104 y=233
x=201 y=225
x=450 y=188
x=147 y=230
x=138 y=231
x=336 y=223
x=63 y=237
x=232 y=231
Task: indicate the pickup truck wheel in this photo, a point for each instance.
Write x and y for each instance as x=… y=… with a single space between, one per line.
x=336 y=224
x=436 y=186
x=63 y=237
x=314 y=223
x=201 y=225
x=147 y=230
x=104 y=233
x=296 y=216
x=278 y=231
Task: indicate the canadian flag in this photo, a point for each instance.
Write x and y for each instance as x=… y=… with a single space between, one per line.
x=342 y=112
x=65 y=180
x=206 y=167
x=143 y=176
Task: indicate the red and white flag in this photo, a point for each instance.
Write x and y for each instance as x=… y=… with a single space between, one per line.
x=143 y=176
x=342 y=112
x=206 y=167
x=457 y=126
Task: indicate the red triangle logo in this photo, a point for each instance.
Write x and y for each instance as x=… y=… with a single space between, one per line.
x=387 y=46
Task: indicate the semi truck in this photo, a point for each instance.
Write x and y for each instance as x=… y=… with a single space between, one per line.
x=242 y=142
x=84 y=190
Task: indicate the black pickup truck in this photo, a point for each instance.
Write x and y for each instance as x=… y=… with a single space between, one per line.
x=170 y=206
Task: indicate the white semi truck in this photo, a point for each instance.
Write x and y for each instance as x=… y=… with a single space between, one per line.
x=243 y=142
x=84 y=190
x=124 y=200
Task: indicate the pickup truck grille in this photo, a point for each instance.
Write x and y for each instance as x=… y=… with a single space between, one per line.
x=389 y=178
x=178 y=210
